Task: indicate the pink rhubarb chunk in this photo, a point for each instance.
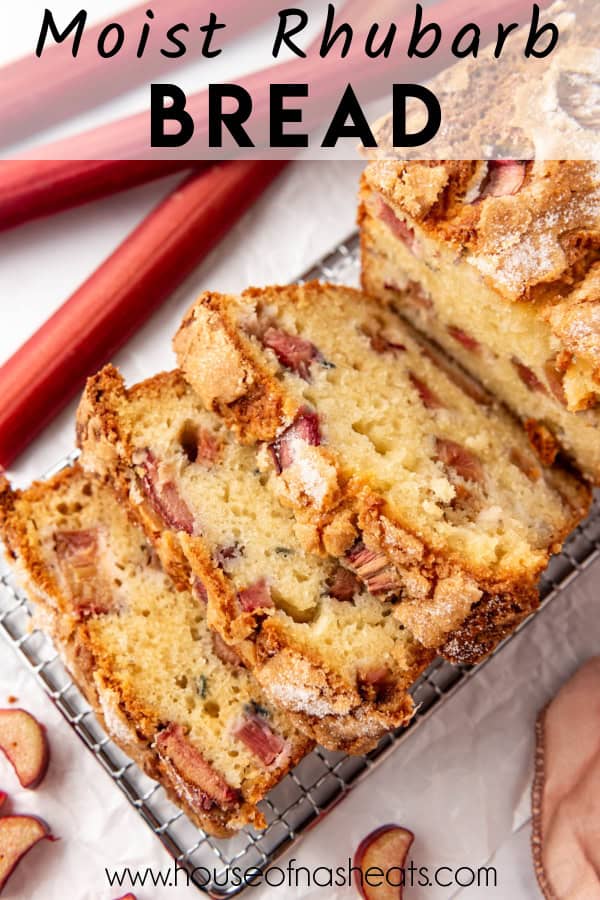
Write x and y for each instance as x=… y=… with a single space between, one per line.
x=305 y=428
x=256 y=596
x=208 y=787
x=504 y=177
x=462 y=461
x=293 y=352
x=398 y=228
x=165 y=498
x=260 y=739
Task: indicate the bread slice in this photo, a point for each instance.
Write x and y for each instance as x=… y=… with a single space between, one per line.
x=500 y=264
x=324 y=650
x=166 y=689
x=391 y=459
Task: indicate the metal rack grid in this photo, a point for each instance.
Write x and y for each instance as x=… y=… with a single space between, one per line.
x=321 y=779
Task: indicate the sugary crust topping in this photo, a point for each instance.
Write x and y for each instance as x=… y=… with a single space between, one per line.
x=229 y=375
x=575 y=320
x=491 y=620
x=547 y=232
x=432 y=620
x=507 y=106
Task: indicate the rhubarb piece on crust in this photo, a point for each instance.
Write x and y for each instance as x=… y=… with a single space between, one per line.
x=146 y=661
x=509 y=261
x=313 y=637
x=387 y=456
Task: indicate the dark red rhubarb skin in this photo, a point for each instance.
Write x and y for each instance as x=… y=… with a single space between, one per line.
x=50 y=368
x=260 y=739
x=34 y=189
x=305 y=427
x=164 y=497
x=173 y=744
x=292 y=351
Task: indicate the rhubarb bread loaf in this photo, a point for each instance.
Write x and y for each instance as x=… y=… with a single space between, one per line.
x=393 y=460
x=322 y=649
x=167 y=690
x=500 y=263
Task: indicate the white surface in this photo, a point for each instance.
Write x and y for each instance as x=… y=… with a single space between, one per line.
x=460 y=783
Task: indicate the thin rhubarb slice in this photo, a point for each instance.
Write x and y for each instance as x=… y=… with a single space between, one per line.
x=464 y=338
x=165 y=498
x=199 y=591
x=381 y=344
x=528 y=376
x=429 y=398
x=256 y=733
x=373 y=568
x=24 y=742
x=555 y=382
x=398 y=228
x=384 y=849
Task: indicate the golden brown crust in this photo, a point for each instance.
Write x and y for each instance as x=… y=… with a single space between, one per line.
x=133 y=725
x=423 y=574
x=233 y=382
x=545 y=234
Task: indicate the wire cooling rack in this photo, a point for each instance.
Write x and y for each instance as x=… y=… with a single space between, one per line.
x=322 y=779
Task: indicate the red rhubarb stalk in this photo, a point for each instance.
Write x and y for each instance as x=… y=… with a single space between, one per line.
x=107 y=309
x=41 y=91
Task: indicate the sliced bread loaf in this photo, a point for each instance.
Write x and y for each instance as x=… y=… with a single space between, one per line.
x=393 y=459
x=167 y=690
